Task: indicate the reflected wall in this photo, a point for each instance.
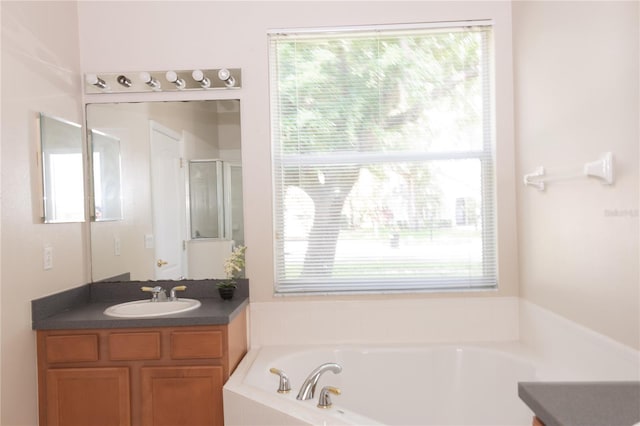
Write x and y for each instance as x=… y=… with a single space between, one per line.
x=206 y=130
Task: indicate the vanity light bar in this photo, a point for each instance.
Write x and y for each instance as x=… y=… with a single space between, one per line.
x=163 y=81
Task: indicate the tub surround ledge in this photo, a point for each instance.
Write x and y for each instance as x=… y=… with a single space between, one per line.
x=399 y=320
x=568 y=351
x=83 y=307
x=583 y=403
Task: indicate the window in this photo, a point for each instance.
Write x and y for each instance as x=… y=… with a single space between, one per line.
x=383 y=158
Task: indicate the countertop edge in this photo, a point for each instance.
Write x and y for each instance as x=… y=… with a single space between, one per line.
x=537 y=408
x=83 y=307
x=176 y=320
x=583 y=403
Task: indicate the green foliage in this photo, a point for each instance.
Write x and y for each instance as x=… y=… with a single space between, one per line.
x=379 y=93
x=231 y=283
x=355 y=94
x=233 y=267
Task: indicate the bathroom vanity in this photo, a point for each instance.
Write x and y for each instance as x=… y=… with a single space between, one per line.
x=98 y=370
x=582 y=403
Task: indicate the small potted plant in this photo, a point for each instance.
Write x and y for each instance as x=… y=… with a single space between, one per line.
x=233 y=269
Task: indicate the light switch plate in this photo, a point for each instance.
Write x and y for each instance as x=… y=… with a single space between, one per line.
x=117 y=246
x=47 y=258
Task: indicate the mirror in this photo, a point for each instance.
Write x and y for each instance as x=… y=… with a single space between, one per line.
x=62 y=170
x=105 y=166
x=205 y=195
x=163 y=195
x=215 y=183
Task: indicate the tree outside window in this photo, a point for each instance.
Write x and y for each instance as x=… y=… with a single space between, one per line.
x=377 y=136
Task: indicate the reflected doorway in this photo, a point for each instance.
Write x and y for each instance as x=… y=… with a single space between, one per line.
x=167 y=193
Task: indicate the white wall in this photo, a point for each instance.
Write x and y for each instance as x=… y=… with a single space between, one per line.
x=40 y=73
x=133 y=132
x=0 y=237
x=576 y=92
x=561 y=89
x=120 y=36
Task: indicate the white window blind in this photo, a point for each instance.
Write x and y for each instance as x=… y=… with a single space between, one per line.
x=383 y=158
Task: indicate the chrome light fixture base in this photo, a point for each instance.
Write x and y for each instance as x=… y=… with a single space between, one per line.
x=156 y=81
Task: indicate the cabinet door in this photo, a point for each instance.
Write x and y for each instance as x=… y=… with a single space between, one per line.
x=88 y=396
x=182 y=396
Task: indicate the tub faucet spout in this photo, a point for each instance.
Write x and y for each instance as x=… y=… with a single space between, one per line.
x=308 y=388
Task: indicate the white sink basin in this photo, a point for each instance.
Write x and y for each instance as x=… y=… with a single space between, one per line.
x=146 y=308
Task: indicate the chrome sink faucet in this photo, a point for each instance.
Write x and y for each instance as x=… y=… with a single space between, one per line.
x=308 y=388
x=158 y=293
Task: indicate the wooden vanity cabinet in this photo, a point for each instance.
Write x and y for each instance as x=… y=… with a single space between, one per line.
x=537 y=421
x=160 y=376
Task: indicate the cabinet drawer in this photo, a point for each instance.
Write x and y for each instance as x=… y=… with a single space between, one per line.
x=196 y=344
x=134 y=346
x=72 y=348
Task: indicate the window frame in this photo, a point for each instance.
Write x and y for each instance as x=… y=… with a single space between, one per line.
x=486 y=156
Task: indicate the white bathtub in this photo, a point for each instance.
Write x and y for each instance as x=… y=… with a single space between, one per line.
x=417 y=385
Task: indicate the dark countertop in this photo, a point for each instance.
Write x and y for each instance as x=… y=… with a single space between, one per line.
x=83 y=307
x=583 y=403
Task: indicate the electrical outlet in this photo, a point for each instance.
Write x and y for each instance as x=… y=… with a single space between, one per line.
x=47 y=258
x=116 y=246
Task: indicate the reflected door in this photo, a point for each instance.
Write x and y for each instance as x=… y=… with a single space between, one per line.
x=167 y=192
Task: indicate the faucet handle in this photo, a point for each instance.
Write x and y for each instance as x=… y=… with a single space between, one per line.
x=172 y=294
x=324 y=401
x=284 y=386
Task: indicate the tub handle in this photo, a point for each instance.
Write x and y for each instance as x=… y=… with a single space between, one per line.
x=284 y=386
x=324 y=401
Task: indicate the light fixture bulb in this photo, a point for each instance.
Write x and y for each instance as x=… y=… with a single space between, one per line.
x=94 y=80
x=198 y=76
x=226 y=76
x=147 y=79
x=172 y=77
